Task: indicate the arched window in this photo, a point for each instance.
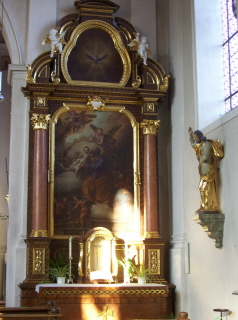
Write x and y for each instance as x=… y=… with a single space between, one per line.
x=230 y=49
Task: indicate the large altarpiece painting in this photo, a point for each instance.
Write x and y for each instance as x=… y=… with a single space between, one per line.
x=94 y=157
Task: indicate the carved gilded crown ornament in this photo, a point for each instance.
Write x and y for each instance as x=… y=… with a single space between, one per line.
x=150 y=126
x=40 y=121
x=96 y=103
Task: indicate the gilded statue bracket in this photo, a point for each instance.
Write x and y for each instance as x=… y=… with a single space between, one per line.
x=212 y=224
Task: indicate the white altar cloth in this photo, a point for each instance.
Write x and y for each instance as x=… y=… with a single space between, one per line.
x=79 y=285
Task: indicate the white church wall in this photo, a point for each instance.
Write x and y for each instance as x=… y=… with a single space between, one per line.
x=210 y=75
x=5 y=108
x=18 y=179
x=214 y=275
x=183 y=107
x=206 y=281
x=39 y=25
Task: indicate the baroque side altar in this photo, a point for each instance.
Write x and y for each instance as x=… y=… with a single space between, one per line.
x=93 y=166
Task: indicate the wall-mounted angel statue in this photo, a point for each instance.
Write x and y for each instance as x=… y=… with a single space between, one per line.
x=207 y=152
x=56 y=40
x=141 y=46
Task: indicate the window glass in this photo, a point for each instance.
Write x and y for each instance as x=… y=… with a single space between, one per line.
x=230 y=50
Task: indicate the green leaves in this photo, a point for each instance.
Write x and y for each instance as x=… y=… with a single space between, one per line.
x=55 y=272
x=143 y=273
x=58 y=267
x=127 y=263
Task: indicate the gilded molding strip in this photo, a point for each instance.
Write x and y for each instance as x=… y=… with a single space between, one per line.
x=39 y=233
x=151 y=234
x=97 y=10
x=50 y=176
x=80 y=263
x=89 y=292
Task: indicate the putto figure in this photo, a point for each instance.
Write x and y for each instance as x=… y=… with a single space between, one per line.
x=141 y=46
x=56 y=40
x=142 y=50
x=208 y=152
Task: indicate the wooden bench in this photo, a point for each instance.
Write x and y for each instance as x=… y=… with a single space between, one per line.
x=30 y=312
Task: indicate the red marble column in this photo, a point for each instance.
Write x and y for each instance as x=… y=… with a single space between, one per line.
x=150 y=179
x=39 y=205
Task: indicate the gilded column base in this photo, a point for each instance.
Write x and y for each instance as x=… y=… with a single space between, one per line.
x=151 y=234
x=39 y=233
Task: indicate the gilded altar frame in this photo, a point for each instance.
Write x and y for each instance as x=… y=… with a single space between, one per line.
x=110 y=47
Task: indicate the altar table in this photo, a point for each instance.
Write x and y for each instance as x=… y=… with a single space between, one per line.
x=108 y=301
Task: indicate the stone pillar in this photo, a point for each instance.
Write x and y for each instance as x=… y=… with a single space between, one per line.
x=39 y=210
x=150 y=179
x=154 y=246
x=18 y=185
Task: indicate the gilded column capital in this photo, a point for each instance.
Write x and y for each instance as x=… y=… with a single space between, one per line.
x=40 y=121
x=150 y=126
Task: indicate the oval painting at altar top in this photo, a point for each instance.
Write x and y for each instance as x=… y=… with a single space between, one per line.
x=94 y=58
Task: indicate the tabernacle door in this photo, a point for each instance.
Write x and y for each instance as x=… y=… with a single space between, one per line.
x=100 y=255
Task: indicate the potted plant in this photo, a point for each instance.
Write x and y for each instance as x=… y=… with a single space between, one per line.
x=142 y=274
x=128 y=266
x=59 y=269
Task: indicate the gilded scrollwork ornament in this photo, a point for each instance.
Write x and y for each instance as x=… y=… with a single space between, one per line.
x=29 y=77
x=39 y=260
x=150 y=126
x=54 y=77
x=154 y=261
x=136 y=83
x=40 y=121
x=165 y=84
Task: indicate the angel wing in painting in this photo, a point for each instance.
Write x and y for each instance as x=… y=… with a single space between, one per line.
x=103 y=139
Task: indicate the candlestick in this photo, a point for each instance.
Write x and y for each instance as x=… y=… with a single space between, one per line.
x=70 y=279
x=70 y=247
